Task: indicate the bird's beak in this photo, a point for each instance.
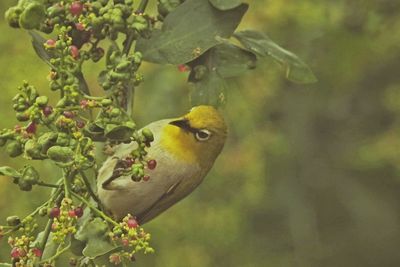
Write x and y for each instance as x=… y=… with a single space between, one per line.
x=181 y=123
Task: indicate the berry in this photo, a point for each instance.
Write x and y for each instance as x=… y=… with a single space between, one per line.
x=79 y=212
x=74 y=51
x=80 y=124
x=183 y=68
x=132 y=223
x=76 y=8
x=151 y=164
x=79 y=26
x=15 y=253
x=68 y=114
x=47 y=110
x=84 y=103
x=37 y=252
x=71 y=213
x=129 y=161
x=146 y=178
x=54 y=212
x=31 y=128
x=51 y=43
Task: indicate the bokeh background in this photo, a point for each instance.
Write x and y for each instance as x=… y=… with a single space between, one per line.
x=310 y=174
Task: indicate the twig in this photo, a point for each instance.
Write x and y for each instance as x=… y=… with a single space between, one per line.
x=46 y=234
x=95 y=210
x=89 y=188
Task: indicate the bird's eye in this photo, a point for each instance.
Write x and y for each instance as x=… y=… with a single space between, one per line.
x=202 y=135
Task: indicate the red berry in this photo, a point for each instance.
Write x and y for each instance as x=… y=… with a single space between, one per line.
x=84 y=103
x=129 y=161
x=79 y=212
x=80 y=124
x=132 y=223
x=76 y=8
x=54 y=212
x=71 y=213
x=15 y=253
x=37 y=252
x=51 y=43
x=68 y=114
x=79 y=26
x=31 y=128
x=146 y=178
x=125 y=242
x=151 y=164
x=183 y=68
x=74 y=51
x=47 y=110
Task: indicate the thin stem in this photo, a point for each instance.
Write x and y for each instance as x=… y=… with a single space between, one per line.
x=142 y=6
x=89 y=188
x=95 y=210
x=48 y=185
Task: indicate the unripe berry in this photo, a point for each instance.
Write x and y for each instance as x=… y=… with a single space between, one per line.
x=37 y=252
x=71 y=213
x=51 y=43
x=146 y=178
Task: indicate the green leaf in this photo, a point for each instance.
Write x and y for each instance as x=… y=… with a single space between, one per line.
x=8 y=171
x=259 y=43
x=210 y=90
x=38 y=45
x=179 y=41
x=225 y=4
x=94 y=233
x=230 y=60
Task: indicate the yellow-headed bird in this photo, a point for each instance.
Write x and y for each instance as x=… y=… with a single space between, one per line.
x=185 y=149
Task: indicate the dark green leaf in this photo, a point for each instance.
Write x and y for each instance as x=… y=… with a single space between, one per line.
x=210 y=90
x=180 y=42
x=259 y=43
x=230 y=60
x=8 y=171
x=225 y=4
x=94 y=233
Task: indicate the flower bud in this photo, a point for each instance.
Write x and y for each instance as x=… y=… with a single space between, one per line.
x=12 y=16
x=60 y=154
x=42 y=101
x=148 y=135
x=13 y=220
x=14 y=149
x=32 y=16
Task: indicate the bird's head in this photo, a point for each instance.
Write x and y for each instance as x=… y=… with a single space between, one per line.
x=197 y=137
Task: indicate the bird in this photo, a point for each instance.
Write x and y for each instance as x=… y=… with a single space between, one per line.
x=185 y=149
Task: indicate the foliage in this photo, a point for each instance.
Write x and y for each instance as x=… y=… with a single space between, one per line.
x=64 y=132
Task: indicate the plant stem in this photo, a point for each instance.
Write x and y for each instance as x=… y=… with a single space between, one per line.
x=95 y=210
x=48 y=185
x=89 y=188
x=142 y=6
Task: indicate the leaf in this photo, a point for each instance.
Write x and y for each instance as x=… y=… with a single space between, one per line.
x=210 y=90
x=259 y=43
x=225 y=4
x=8 y=171
x=179 y=41
x=38 y=45
x=94 y=233
x=230 y=60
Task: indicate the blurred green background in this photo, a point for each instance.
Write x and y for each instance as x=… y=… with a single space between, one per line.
x=310 y=174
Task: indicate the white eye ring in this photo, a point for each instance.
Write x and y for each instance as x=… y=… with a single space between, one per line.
x=203 y=135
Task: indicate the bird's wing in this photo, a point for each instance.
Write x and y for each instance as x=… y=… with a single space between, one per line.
x=165 y=201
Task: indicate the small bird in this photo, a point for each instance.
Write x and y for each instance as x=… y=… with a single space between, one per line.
x=184 y=148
